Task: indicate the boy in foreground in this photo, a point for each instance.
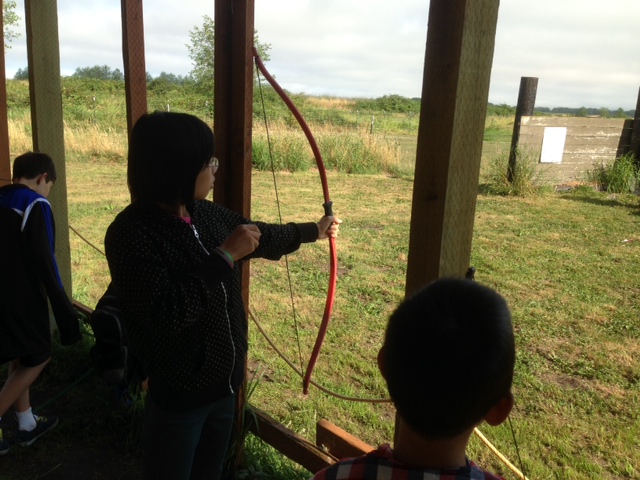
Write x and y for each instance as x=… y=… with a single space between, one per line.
x=29 y=275
x=448 y=359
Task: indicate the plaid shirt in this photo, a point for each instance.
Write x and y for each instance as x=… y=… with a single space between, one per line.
x=380 y=465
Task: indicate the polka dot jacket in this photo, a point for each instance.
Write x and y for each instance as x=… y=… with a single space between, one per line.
x=181 y=303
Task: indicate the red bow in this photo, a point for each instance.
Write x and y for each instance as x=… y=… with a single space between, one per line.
x=333 y=272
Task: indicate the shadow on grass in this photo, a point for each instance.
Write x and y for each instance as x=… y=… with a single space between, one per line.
x=613 y=200
x=92 y=440
x=98 y=434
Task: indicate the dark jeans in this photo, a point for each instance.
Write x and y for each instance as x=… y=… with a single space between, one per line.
x=188 y=445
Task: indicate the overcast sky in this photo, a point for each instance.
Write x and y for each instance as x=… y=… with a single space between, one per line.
x=584 y=52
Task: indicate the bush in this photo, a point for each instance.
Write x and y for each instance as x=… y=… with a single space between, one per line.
x=621 y=176
x=349 y=152
x=287 y=150
x=502 y=110
x=389 y=103
x=352 y=153
x=525 y=176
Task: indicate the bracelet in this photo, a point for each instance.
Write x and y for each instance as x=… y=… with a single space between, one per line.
x=226 y=255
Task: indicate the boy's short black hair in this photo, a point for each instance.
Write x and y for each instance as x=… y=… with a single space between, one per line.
x=29 y=165
x=449 y=356
x=167 y=151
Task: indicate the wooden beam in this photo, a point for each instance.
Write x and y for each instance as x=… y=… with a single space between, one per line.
x=5 y=153
x=635 y=130
x=289 y=443
x=233 y=100
x=338 y=442
x=233 y=114
x=82 y=308
x=526 y=104
x=45 y=90
x=233 y=121
x=135 y=73
x=459 y=53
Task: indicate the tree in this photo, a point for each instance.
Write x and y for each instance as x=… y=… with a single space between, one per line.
x=22 y=74
x=103 y=72
x=11 y=19
x=202 y=48
x=172 y=78
x=620 y=113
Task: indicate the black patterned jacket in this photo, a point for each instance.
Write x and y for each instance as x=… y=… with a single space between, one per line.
x=181 y=302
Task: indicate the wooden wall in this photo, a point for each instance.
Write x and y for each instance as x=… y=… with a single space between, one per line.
x=588 y=141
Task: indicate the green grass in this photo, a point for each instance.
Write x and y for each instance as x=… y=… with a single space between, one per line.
x=566 y=262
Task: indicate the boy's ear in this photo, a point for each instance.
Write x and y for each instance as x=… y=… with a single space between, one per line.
x=500 y=411
x=42 y=178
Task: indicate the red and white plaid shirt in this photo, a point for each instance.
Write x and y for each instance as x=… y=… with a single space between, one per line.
x=380 y=465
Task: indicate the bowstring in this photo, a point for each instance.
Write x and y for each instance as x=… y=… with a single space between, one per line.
x=275 y=187
x=515 y=442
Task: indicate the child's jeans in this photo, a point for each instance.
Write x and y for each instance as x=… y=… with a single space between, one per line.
x=188 y=445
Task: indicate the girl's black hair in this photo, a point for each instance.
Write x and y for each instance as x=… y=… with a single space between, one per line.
x=167 y=151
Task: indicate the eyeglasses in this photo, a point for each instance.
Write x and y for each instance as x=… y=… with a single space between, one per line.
x=213 y=164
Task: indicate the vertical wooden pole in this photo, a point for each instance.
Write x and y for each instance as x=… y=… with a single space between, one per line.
x=635 y=130
x=233 y=99
x=526 y=103
x=459 y=53
x=233 y=119
x=5 y=153
x=135 y=73
x=45 y=90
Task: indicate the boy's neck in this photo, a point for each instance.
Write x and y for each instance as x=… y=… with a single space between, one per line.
x=27 y=182
x=38 y=184
x=415 y=451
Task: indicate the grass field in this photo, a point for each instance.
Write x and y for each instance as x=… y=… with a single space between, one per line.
x=566 y=262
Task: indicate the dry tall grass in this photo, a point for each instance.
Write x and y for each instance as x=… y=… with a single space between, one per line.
x=87 y=141
x=331 y=103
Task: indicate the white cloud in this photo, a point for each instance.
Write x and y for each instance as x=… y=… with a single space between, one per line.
x=583 y=51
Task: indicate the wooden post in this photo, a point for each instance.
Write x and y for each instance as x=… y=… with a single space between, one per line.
x=5 y=153
x=526 y=103
x=135 y=73
x=43 y=53
x=310 y=456
x=233 y=100
x=635 y=130
x=338 y=442
x=233 y=108
x=233 y=121
x=459 y=53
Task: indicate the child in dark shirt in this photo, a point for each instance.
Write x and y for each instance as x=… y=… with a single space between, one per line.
x=29 y=276
x=448 y=359
x=173 y=256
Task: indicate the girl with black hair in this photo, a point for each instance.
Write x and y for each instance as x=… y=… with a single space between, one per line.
x=172 y=255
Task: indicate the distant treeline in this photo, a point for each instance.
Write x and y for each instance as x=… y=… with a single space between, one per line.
x=102 y=79
x=509 y=111
x=585 y=112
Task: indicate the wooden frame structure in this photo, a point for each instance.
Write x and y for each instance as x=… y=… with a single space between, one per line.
x=459 y=53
